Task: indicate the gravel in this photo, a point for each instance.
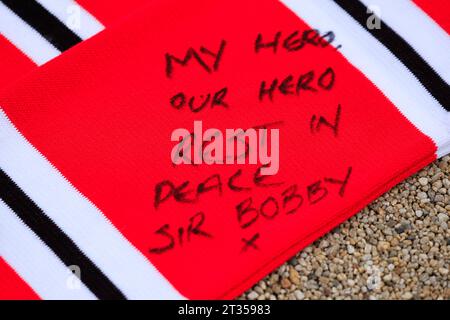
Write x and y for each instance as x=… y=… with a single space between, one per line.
x=398 y=247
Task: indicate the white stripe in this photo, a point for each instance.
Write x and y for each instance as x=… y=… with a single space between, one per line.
x=25 y=38
x=420 y=31
x=380 y=66
x=35 y=262
x=74 y=17
x=93 y=233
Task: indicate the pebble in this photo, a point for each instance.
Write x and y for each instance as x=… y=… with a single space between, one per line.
x=422 y=195
x=383 y=246
x=299 y=295
x=387 y=278
x=294 y=277
x=407 y=296
x=285 y=283
x=423 y=181
x=398 y=247
x=443 y=271
x=350 y=249
x=442 y=217
x=252 y=295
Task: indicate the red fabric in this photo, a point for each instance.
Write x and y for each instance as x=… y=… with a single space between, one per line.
x=108 y=12
x=13 y=63
x=438 y=10
x=110 y=136
x=12 y=287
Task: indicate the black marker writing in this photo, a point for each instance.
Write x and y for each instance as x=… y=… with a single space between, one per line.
x=317 y=122
x=248 y=212
x=200 y=57
x=184 y=234
x=294 y=86
x=198 y=103
x=294 y=41
x=250 y=243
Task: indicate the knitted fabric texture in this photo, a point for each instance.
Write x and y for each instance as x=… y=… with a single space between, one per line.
x=359 y=96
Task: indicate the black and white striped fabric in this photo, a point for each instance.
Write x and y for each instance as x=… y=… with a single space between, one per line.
x=59 y=227
x=42 y=29
x=399 y=47
x=393 y=53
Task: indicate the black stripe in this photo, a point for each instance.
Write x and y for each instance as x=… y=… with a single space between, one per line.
x=435 y=85
x=56 y=239
x=44 y=22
